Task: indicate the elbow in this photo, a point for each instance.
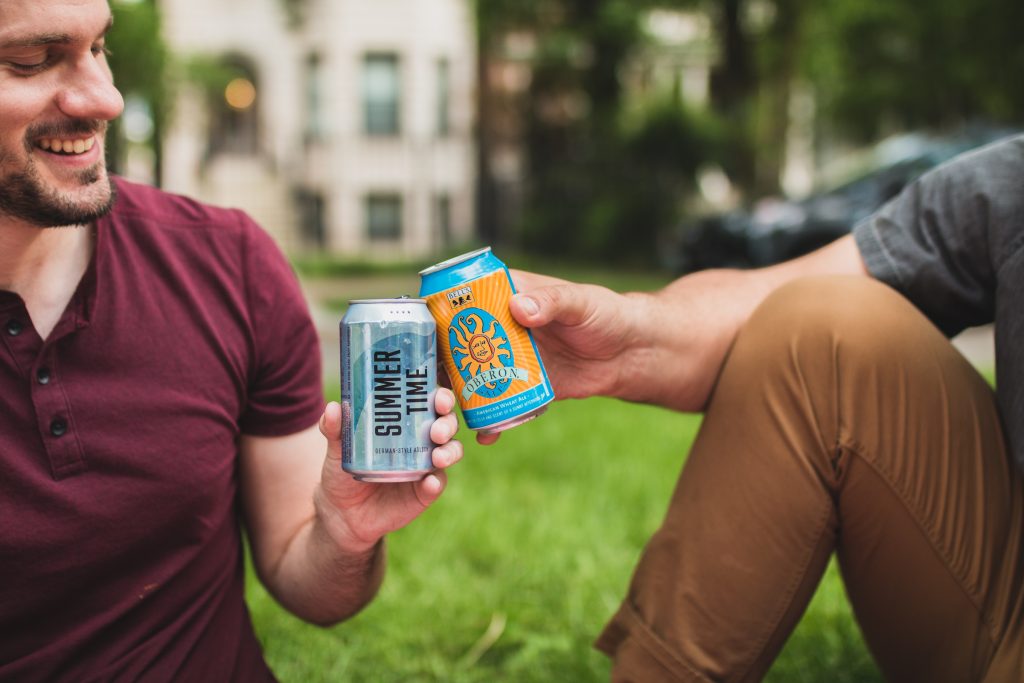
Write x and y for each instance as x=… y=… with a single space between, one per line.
x=339 y=593
x=332 y=615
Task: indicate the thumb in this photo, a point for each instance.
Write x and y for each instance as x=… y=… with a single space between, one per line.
x=330 y=427
x=566 y=304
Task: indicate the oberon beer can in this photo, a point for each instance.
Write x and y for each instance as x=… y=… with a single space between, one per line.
x=492 y=361
x=388 y=381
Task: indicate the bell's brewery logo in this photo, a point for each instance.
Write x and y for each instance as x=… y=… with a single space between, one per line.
x=460 y=297
x=482 y=354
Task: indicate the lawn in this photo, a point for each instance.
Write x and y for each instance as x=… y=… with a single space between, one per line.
x=511 y=575
x=514 y=571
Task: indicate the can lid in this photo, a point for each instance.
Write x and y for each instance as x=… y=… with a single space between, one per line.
x=454 y=260
x=404 y=299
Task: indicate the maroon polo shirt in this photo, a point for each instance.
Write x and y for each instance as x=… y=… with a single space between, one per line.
x=120 y=550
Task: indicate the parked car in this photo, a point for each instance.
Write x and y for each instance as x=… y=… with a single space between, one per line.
x=776 y=229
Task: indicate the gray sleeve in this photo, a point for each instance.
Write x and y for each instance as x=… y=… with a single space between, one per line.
x=940 y=242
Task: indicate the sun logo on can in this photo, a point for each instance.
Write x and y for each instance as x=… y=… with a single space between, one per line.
x=480 y=350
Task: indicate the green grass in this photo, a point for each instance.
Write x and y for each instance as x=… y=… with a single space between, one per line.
x=535 y=539
x=335 y=283
x=325 y=266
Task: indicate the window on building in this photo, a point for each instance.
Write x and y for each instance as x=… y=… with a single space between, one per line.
x=314 y=128
x=443 y=97
x=312 y=221
x=443 y=218
x=381 y=94
x=234 y=120
x=384 y=216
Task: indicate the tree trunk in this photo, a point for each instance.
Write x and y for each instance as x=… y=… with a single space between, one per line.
x=733 y=88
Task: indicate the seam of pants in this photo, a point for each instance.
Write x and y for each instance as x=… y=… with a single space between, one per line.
x=798 y=579
x=856 y=450
x=650 y=641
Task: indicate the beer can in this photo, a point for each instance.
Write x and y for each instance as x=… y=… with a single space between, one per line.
x=388 y=382
x=492 y=361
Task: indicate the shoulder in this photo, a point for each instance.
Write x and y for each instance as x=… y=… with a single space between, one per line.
x=170 y=223
x=994 y=170
x=976 y=197
x=174 y=211
x=190 y=237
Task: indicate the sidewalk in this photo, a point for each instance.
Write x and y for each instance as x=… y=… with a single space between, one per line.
x=978 y=345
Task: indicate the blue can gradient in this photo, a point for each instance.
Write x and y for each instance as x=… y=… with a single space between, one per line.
x=388 y=383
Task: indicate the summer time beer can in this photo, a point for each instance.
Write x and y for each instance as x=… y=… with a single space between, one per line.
x=492 y=361
x=388 y=381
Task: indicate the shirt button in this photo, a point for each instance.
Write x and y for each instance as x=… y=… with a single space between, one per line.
x=58 y=427
x=43 y=375
x=14 y=327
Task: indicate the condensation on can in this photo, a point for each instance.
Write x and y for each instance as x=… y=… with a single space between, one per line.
x=492 y=361
x=388 y=382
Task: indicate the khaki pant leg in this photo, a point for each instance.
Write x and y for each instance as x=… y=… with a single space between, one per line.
x=842 y=421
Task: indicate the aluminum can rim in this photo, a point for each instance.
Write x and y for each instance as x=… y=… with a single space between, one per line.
x=396 y=300
x=455 y=260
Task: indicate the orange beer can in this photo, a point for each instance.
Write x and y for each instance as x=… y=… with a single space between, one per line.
x=492 y=361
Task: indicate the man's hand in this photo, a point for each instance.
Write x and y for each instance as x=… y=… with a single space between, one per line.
x=583 y=332
x=358 y=514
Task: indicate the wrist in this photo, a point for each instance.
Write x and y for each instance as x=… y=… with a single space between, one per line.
x=636 y=364
x=334 y=525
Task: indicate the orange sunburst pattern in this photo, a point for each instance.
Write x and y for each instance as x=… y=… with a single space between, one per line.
x=480 y=348
x=483 y=344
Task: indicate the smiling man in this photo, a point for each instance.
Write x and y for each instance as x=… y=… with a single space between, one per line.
x=53 y=126
x=159 y=389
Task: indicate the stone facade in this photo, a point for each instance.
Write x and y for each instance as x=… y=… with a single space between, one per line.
x=348 y=127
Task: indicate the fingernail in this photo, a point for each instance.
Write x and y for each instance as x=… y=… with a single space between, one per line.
x=528 y=304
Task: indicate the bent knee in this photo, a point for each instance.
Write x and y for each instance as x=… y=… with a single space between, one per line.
x=852 y=312
x=826 y=337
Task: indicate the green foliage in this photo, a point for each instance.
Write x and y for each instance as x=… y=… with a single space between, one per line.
x=602 y=189
x=617 y=192
x=603 y=182
x=139 y=55
x=139 y=60
x=916 y=63
x=495 y=16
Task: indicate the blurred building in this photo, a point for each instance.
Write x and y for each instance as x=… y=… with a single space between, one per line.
x=346 y=125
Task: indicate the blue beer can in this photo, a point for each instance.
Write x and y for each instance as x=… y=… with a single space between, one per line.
x=492 y=361
x=388 y=383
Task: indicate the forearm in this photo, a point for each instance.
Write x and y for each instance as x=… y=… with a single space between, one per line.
x=689 y=326
x=687 y=329
x=317 y=579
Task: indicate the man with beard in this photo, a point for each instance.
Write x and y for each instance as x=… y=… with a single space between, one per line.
x=159 y=387
x=838 y=418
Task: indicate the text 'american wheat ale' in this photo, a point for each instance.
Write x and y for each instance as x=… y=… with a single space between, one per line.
x=492 y=361
x=388 y=382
